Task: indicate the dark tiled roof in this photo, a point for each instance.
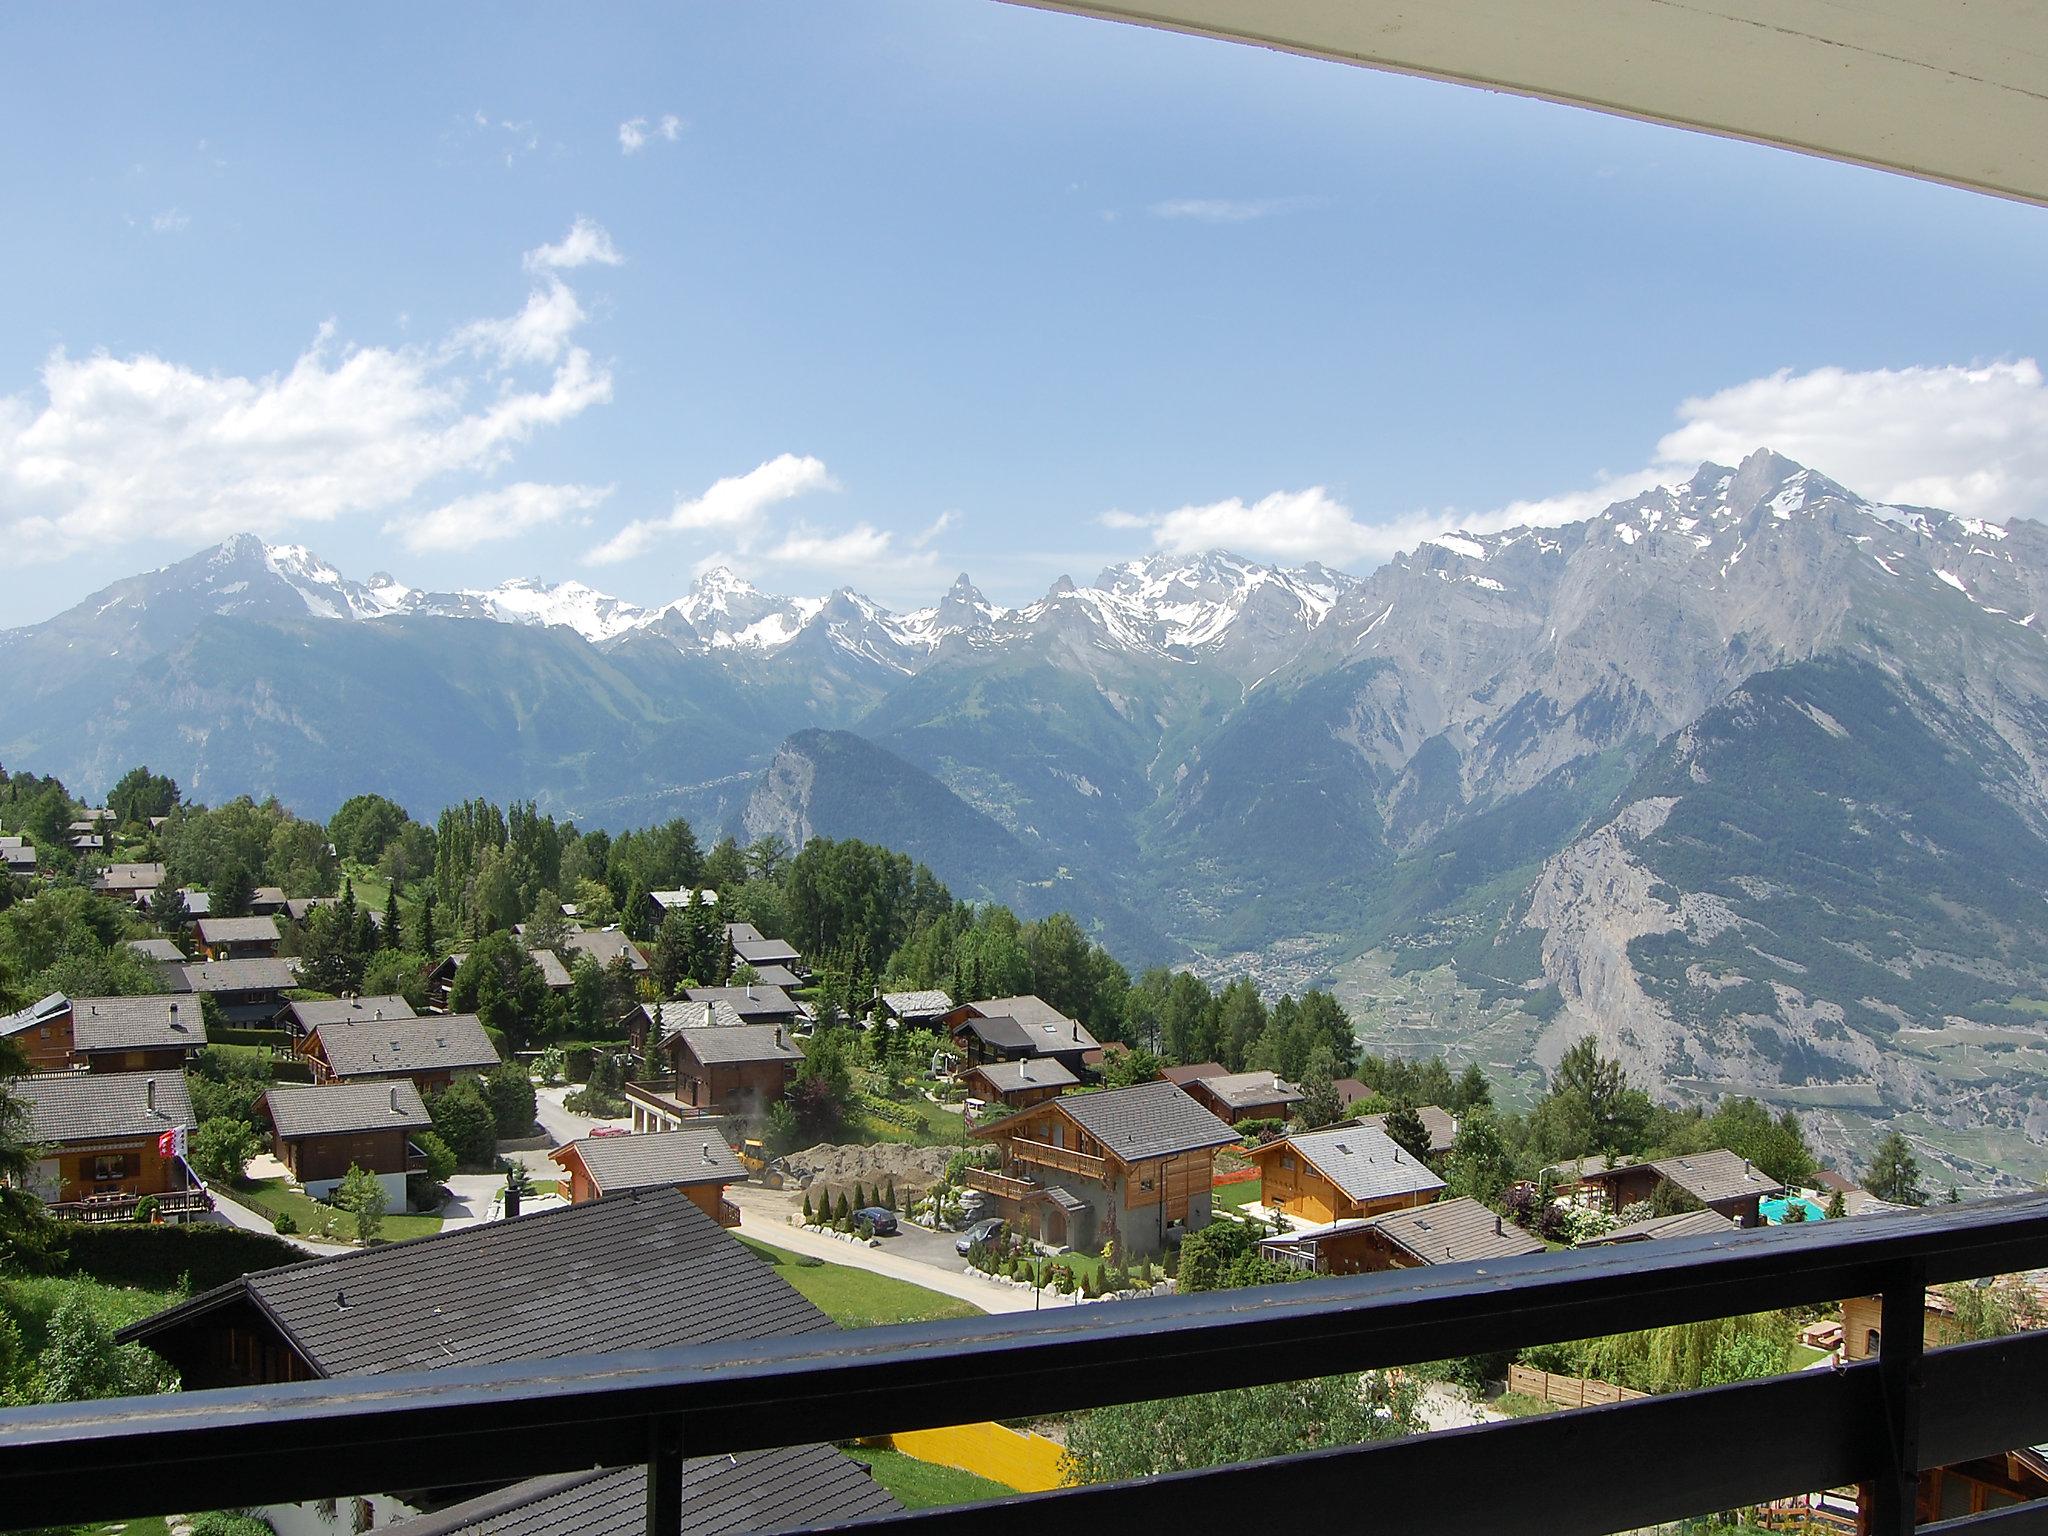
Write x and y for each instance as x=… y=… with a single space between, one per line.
x=1717 y=1175
x=672 y=1016
x=777 y=976
x=552 y=971
x=754 y=1002
x=381 y=1048
x=746 y=931
x=604 y=945
x=1000 y=1031
x=765 y=952
x=929 y=1004
x=1364 y=1163
x=128 y=877
x=338 y=1010
x=135 y=1023
x=103 y=1106
x=1455 y=1232
x=343 y=1108
x=50 y=1008
x=1350 y=1090
x=652 y=1159
x=1441 y=1124
x=739 y=1043
x=157 y=949
x=804 y=1485
x=1045 y=1022
x=1016 y=1076
x=237 y=930
x=242 y=976
x=1182 y=1076
x=1245 y=1090
x=1146 y=1120
x=1686 y=1224
x=646 y=1270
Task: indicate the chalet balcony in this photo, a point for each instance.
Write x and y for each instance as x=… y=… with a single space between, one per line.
x=1043 y=1155
x=990 y=1182
x=1875 y=1423
x=728 y=1213
x=415 y=1159
x=172 y=1205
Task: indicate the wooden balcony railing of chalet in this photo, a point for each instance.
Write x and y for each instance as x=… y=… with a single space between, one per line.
x=171 y=1204
x=1581 y=1473
x=728 y=1213
x=991 y=1182
x=1043 y=1155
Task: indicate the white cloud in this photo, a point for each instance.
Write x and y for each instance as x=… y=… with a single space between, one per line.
x=635 y=132
x=937 y=526
x=738 y=503
x=587 y=242
x=172 y=221
x=1972 y=440
x=1231 y=210
x=489 y=516
x=127 y=448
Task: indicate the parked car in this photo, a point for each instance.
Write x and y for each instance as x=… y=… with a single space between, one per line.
x=880 y=1219
x=981 y=1232
x=609 y=1130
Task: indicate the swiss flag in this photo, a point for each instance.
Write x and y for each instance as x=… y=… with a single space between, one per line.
x=171 y=1143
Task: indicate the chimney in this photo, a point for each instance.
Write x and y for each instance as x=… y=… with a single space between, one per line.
x=1077 y=1032
x=149 y=1094
x=750 y=991
x=778 y=1035
x=1497 y=1232
x=707 y=1153
x=394 y=1100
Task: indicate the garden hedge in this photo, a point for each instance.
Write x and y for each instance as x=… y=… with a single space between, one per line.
x=154 y=1257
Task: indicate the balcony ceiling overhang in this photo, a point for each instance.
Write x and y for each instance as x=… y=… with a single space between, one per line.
x=1953 y=91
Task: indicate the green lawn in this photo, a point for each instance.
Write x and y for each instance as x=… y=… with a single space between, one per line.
x=923 y=1484
x=274 y=1198
x=855 y=1298
x=32 y=1300
x=147 y=1525
x=1238 y=1196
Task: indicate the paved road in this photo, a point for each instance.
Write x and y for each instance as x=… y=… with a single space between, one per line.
x=232 y=1213
x=564 y=1125
x=764 y=1214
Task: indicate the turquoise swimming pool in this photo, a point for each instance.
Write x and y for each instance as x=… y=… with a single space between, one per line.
x=1774 y=1210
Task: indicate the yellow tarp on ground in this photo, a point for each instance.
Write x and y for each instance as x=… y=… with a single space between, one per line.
x=1028 y=1463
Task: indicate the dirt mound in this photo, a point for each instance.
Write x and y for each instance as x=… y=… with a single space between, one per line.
x=832 y=1168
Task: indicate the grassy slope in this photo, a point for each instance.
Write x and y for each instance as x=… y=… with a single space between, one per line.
x=924 y=1485
x=854 y=1298
x=272 y=1198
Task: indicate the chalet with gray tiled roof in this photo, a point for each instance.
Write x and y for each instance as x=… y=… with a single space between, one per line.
x=604 y=945
x=754 y=1004
x=695 y=1161
x=1233 y=1097
x=1010 y=1028
x=249 y=992
x=645 y=1270
x=1719 y=1179
x=1685 y=1224
x=128 y=879
x=737 y=1070
x=919 y=1010
x=1009 y=1085
x=237 y=938
x=1460 y=1231
x=432 y=1051
x=302 y=1015
x=320 y=1133
x=103 y=1141
x=132 y=1034
x=42 y=1032
x=1440 y=1125
x=157 y=951
x=1129 y=1163
x=1345 y=1171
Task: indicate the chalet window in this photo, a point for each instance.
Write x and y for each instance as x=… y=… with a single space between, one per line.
x=1870 y=1342
x=110 y=1165
x=1286 y=1163
x=1144 y=1183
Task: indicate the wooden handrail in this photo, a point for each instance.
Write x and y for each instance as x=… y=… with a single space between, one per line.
x=1046 y=1155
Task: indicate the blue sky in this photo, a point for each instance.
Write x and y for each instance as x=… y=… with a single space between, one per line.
x=905 y=287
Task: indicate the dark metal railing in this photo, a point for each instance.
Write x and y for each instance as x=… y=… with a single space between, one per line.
x=1589 y=1471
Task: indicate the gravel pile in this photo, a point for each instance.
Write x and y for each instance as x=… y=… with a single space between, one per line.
x=831 y=1168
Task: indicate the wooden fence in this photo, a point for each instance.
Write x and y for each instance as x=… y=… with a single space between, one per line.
x=1566 y=1391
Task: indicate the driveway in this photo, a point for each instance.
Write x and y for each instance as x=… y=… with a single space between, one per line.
x=478 y=1197
x=913 y=1255
x=231 y=1213
x=565 y=1125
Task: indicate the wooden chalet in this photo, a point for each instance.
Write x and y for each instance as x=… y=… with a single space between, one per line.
x=107 y=1140
x=320 y=1133
x=1234 y=1097
x=659 y=904
x=17 y=856
x=736 y=1070
x=605 y=946
x=1344 y=1172
x=752 y=1003
x=43 y=1032
x=267 y=901
x=696 y=1162
x=643 y=1270
x=1181 y=1076
x=157 y=951
x=432 y=1051
x=237 y=938
x=916 y=1010
x=1440 y=1124
x=250 y=993
x=1685 y=1224
x=1446 y=1232
x=129 y=880
x=666 y=1018
x=1017 y=1084
x=302 y=1016
x=1718 y=1180
x=135 y=1034
x=1129 y=1163
x=1014 y=1028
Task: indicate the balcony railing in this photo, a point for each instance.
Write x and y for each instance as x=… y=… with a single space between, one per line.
x=1590 y=1471
x=170 y=1204
x=1044 y=1155
x=728 y=1213
x=991 y=1182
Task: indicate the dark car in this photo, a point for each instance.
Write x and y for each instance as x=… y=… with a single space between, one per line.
x=881 y=1221
x=981 y=1232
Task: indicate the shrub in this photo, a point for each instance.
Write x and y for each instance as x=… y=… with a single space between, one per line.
x=808 y=1215
x=155 y=1257
x=463 y=1119
x=889 y=1196
x=362 y=1196
x=269 y=1039
x=441 y=1161
x=221 y=1149
x=146 y=1209
x=284 y=1224
x=510 y=1092
x=843 y=1211
x=225 y=1523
